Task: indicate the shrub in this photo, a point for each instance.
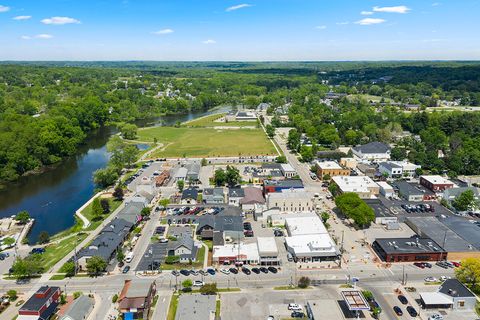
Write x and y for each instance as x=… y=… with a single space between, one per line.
x=209 y=289
x=304 y=282
x=114 y=298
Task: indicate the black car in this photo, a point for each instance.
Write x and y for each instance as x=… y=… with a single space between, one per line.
x=272 y=269
x=411 y=311
x=211 y=271
x=126 y=269
x=256 y=270
x=175 y=273
x=427 y=265
x=185 y=272
x=278 y=233
x=37 y=251
x=246 y=271
x=264 y=270
x=402 y=299
x=398 y=311
x=233 y=270
x=297 y=314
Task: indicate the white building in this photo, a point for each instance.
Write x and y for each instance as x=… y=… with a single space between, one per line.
x=290 y=200
x=267 y=251
x=305 y=225
x=372 y=151
x=390 y=169
x=246 y=253
x=386 y=189
x=288 y=171
x=365 y=187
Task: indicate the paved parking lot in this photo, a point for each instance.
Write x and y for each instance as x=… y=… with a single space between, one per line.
x=396 y=207
x=155 y=252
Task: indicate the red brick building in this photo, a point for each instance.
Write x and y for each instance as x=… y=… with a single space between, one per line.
x=42 y=305
x=408 y=249
x=436 y=183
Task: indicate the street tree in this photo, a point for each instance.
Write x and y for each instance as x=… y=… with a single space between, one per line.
x=469 y=273
x=219 y=177
x=22 y=217
x=26 y=267
x=97 y=210
x=270 y=131
x=187 y=285
x=118 y=193
x=43 y=237
x=96 y=265
x=180 y=185
x=465 y=201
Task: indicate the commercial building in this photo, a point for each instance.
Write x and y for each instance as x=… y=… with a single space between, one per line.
x=304 y=225
x=291 y=200
x=390 y=169
x=136 y=298
x=253 y=200
x=367 y=170
x=349 y=163
x=277 y=186
x=288 y=171
x=363 y=186
x=196 y=306
x=385 y=189
x=330 y=168
x=320 y=309
x=267 y=251
x=245 y=253
x=372 y=151
x=408 y=249
x=80 y=309
x=408 y=191
x=42 y=305
x=451 y=294
x=436 y=183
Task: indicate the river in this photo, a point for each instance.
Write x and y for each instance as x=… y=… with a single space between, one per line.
x=53 y=197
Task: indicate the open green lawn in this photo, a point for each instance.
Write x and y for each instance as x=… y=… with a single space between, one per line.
x=209 y=121
x=55 y=252
x=207 y=142
x=94 y=223
x=172 y=308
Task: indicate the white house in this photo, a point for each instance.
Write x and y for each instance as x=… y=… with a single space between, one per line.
x=390 y=169
x=372 y=151
x=288 y=171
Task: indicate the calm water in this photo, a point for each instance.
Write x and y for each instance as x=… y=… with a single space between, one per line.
x=53 y=197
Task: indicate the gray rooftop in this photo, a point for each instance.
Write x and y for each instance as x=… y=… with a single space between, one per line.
x=195 y=306
x=190 y=193
x=213 y=191
x=470 y=232
x=79 y=309
x=373 y=147
x=408 y=245
x=454 y=288
x=407 y=189
x=390 y=165
x=287 y=183
x=236 y=193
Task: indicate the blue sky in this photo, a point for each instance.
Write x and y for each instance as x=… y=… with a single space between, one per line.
x=239 y=30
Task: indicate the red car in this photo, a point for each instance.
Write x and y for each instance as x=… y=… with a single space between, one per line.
x=419 y=264
x=456 y=264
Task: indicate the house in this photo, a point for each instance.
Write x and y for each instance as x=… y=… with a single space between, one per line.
x=436 y=183
x=162 y=178
x=390 y=169
x=263 y=106
x=229 y=221
x=290 y=200
x=408 y=249
x=408 y=191
x=193 y=170
x=287 y=170
x=385 y=189
x=131 y=212
x=372 y=151
x=367 y=170
x=451 y=194
x=267 y=251
x=196 y=306
x=106 y=243
x=362 y=185
x=277 y=186
x=452 y=294
x=213 y=196
x=179 y=231
x=181 y=174
x=136 y=298
x=330 y=169
x=184 y=247
x=189 y=196
x=235 y=195
x=253 y=201
x=80 y=309
x=42 y=305
x=408 y=169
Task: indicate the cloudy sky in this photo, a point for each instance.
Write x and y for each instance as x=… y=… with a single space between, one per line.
x=238 y=30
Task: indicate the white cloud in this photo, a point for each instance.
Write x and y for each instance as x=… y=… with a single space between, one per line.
x=238 y=6
x=396 y=9
x=26 y=37
x=22 y=17
x=60 y=20
x=163 y=31
x=209 y=41
x=4 y=8
x=366 y=13
x=342 y=23
x=44 y=36
x=321 y=27
x=369 y=21
x=435 y=4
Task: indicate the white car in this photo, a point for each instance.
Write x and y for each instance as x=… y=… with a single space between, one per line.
x=430 y=279
x=435 y=317
x=444 y=278
x=198 y=283
x=294 y=307
x=225 y=271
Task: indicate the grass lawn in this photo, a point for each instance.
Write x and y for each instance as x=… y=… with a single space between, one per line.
x=94 y=223
x=207 y=142
x=55 y=252
x=172 y=308
x=196 y=264
x=209 y=121
x=217 y=308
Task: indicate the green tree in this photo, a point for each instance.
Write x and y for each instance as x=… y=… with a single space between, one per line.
x=281 y=159
x=97 y=210
x=187 y=285
x=128 y=131
x=114 y=298
x=105 y=177
x=398 y=153
x=219 y=177
x=270 y=131
x=43 y=237
x=145 y=212
x=303 y=282
x=204 y=162
x=164 y=202
x=232 y=176
x=353 y=207
x=306 y=153
x=325 y=216
x=22 y=217
x=293 y=140
x=469 y=273
x=12 y=295
x=26 y=267
x=118 y=193
x=8 y=241
x=465 y=201
x=105 y=205
x=69 y=269
x=209 y=289
x=120 y=255
x=180 y=185
x=96 y=265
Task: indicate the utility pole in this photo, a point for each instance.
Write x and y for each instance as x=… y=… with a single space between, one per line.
x=341 y=249
x=443 y=244
x=403 y=275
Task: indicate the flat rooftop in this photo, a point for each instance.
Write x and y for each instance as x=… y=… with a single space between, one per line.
x=354 y=183
x=435 y=179
x=328 y=165
x=305 y=225
x=408 y=245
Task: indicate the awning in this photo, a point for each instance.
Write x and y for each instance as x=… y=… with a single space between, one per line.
x=128 y=316
x=435 y=298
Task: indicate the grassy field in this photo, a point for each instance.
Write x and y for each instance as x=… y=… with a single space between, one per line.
x=172 y=308
x=94 y=223
x=55 y=252
x=209 y=121
x=207 y=142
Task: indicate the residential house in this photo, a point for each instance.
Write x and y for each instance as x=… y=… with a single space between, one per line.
x=229 y=221
x=193 y=171
x=196 y=306
x=189 y=196
x=330 y=168
x=80 y=309
x=235 y=195
x=180 y=174
x=136 y=298
x=213 y=196
x=184 y=247
x=436 y=183
x=253 y=201
x=372 y=151
x=42 y=305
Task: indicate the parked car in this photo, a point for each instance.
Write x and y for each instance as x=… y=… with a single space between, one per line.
x=278 y=233
x=246 y=271
x=412 y=312
x=294 y=306
x=175 y=273
x=272 y=269
x=37 y=251
x=185 y=272
x=194 y=272
x=256 y=270
x=297 y=314
x=419 y=264
x=427 y=264
x=442 y=264
x=202 y=272
x=233 y=270
x=435 y=316
x=456 y=264
x=430 y=279
x=198 y=283
x=126 y=269
x=398 y=311
x=163 y=240
x=264 y=270
x=225 y=271
x=211 y=271
x=402 y=299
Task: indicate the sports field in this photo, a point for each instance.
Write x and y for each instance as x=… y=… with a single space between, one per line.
x=207 y=142
x=209 y=121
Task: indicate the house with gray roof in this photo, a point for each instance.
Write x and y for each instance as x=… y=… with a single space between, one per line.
x=229 y=221
x=235 y=195
x=390 y=169
x=80 y=309
x=189 y=196
x=184 y=247
x=451 y=194
x=213 y=195
x=193 y=170
x=373 y=151
x=196 y=306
